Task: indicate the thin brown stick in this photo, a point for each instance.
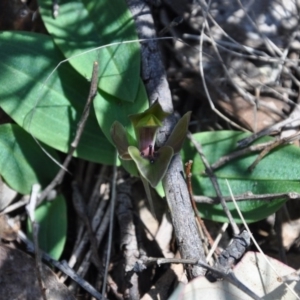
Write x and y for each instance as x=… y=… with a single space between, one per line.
x=99 y=233
x=271 y=147
x=260 y=56
x=236 y=154
x=264 y=147
x=38 y=261
x=111 y=223
x=81 y=210
x=188 y=173
x=215 y=183
x=97 y=214
x=86 y=111
x=62 y=266
x=173 y=23
x=211 y=103
x=23 y=201
x=249 y=196
x=61 y=173
x=30 y=207
x=292 y=119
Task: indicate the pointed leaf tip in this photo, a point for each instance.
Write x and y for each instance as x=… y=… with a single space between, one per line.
x=178 y=135
x=155 y=110
x=149 y=121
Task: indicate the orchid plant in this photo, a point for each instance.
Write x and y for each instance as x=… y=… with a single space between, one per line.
x=151 y=163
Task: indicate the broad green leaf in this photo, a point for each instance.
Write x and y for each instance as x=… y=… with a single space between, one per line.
x=83 y=25
x=109 y=109
x=52 y=219
x=276 y=173
x=154 y=171
x=22 y=161
x=51 y=109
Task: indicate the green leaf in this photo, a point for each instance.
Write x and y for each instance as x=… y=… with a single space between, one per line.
x=83 y=25
x=49 y=110
x=276 y=173
x=154 y=171
x=52 y=219
x=109 y=109
x=22 y=161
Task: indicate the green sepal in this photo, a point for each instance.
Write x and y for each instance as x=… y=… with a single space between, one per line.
x=152 y=171
x=148 y=194
x=178 y=134
x=149 y=121
x=119 y=137
x=130 y=167
x=153 y=115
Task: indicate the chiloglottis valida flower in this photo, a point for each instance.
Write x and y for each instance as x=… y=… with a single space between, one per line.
x=151 y=163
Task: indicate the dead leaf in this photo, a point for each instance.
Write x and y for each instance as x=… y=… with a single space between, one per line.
x=254 y=272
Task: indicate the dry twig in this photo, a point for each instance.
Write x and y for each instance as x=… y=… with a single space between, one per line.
x=80 y=127
x=214 y=181
x=157 y=87
x=188 y=175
